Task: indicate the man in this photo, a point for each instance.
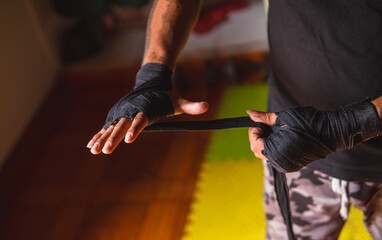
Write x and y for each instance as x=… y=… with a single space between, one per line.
x=324 y=54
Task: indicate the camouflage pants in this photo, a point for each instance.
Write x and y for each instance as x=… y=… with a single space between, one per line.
x=316 y=207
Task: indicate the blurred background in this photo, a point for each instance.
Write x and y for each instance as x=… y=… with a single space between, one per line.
x=64 y=63
x=44 y=41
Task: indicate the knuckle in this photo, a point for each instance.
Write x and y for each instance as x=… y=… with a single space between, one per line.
x=252 y=135
x=140 y=119
x=111 y=139
x=253 y=148
x=267 y=118
x=121 y=122
x=139 y=116
x=132 y=129
x=101 y=139
x=97 y=135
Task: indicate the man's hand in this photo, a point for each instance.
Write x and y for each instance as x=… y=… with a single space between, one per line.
x=256 y=134
x=169 y=26
x=305 y=134
x=107 y=140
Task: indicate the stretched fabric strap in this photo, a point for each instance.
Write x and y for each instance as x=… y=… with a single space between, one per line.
x=225 y=123
x=280 y=183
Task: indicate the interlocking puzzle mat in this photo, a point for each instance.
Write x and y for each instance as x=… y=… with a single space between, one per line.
x=228 y=201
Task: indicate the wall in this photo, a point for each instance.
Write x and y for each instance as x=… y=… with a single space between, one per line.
x=28 y=68
x=244 y=31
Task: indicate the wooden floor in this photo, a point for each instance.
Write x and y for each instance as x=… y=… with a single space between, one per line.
x=51 y=187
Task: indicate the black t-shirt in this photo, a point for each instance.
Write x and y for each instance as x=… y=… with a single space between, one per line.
x=325 y=54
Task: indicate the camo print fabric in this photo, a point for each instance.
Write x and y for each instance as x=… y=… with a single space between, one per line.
x=316 y=208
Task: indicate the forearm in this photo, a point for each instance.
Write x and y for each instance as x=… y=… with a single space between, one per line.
x=168 y=28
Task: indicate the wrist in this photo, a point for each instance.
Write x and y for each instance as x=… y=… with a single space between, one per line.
x=363 y=122
x=157 y=74
x=161 y=58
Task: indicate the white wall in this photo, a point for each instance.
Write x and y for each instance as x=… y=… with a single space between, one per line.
x=244 y=31
x=28 y=68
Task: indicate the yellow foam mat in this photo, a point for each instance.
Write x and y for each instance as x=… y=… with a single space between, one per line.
x=354 y=228
x=228 y=205
x=228 y=202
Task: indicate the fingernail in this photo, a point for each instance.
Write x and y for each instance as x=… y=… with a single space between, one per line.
x=96 y=147
x=107 y=147
x=254 y=113
x=89 y=144
x=129 y=136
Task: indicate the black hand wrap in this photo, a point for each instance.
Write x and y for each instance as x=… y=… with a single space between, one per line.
x=306 y=134
x=148 y=96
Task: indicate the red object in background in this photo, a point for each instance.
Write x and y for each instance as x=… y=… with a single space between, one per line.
x=212 y=17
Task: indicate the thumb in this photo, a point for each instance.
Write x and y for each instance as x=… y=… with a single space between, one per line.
x=192 y=108
x=268 y=118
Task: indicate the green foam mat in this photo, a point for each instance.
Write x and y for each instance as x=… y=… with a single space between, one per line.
x=233 y=143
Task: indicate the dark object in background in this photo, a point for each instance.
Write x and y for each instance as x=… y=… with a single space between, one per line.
x=89 y=35
x=81 y=8
x=211 y=74
x=234 y=71
x=131 y=3
x=84 y=39
x=181 y=81
x=211 y=17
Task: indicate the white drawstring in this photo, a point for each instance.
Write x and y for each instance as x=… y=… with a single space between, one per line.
x=342 y=187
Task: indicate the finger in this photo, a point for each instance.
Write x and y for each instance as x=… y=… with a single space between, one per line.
x=100 y=142
x=268 y=118
x=256 y=142
x=139 y=123
x=254 y=134
x=116 y=136
x=95 y=138
x=192 y=108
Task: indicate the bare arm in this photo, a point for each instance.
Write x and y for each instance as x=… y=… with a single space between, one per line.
x=169 y=25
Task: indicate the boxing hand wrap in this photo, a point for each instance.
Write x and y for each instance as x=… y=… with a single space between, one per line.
x=307 y=134
x=148 y=96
